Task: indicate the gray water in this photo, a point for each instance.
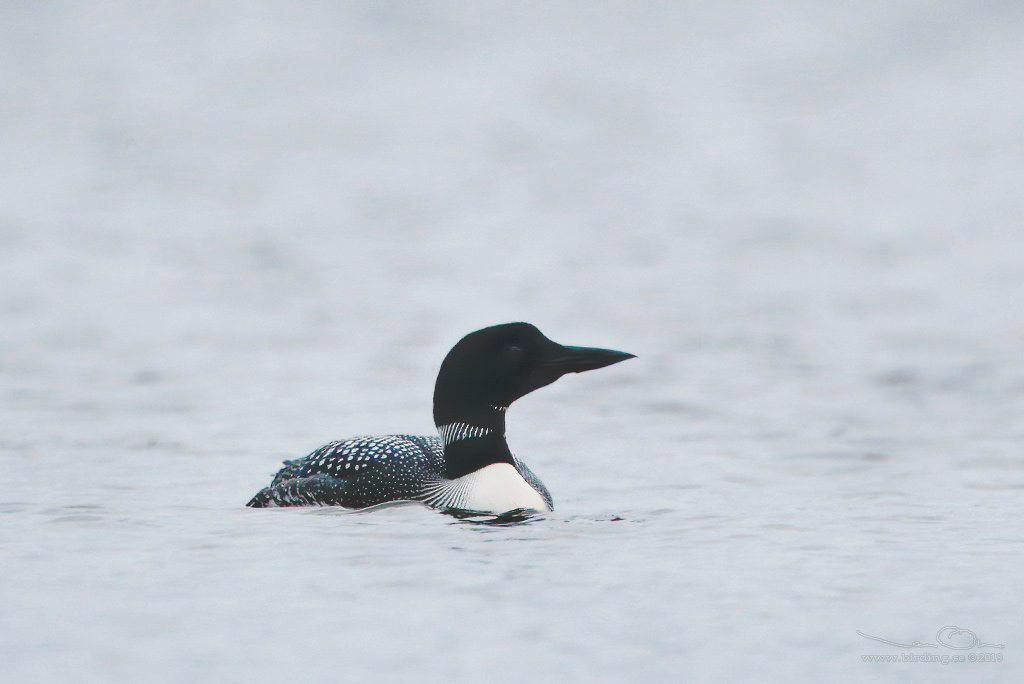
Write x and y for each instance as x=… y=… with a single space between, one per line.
x=232 y=232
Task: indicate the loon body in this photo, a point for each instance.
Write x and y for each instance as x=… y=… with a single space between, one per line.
x=469 y=466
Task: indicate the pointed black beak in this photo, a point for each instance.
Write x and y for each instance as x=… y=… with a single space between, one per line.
x=579 y=359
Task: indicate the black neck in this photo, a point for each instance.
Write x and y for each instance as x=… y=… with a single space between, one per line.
x=466 y=455
x=469 y=455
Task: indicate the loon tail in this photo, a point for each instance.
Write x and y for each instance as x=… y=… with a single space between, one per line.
x=291 y=470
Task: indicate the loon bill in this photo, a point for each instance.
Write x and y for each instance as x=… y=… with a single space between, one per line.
x=469 y=466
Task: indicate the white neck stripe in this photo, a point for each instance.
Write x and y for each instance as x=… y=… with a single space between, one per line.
x=453 y=432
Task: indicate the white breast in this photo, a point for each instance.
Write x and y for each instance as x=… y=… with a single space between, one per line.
x=496 y=488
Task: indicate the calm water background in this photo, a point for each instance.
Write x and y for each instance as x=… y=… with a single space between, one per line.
x=231 y=232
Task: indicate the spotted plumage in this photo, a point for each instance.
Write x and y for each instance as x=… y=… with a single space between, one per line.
x=366 y=471
x=469 y=467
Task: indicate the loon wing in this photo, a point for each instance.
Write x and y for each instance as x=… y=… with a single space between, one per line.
x=356 y=473
x=318 y=490
x=299 y=484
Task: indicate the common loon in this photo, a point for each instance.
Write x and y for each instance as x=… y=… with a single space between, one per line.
x=469 y=467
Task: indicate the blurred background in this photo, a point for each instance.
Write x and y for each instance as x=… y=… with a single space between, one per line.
x=231 y=232
x=366 y=182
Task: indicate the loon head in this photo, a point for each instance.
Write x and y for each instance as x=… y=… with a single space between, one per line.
x=489 y=369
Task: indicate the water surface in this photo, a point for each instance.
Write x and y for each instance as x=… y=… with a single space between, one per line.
x=231 y=234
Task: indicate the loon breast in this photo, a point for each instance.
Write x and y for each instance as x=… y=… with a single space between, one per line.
x=496 y=488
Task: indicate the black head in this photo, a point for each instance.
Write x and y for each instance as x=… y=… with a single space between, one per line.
x=495 y=366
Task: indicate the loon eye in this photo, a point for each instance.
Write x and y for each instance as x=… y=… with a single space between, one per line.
x=513 y=352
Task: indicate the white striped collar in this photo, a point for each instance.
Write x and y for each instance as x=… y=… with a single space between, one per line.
x=453 y=432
